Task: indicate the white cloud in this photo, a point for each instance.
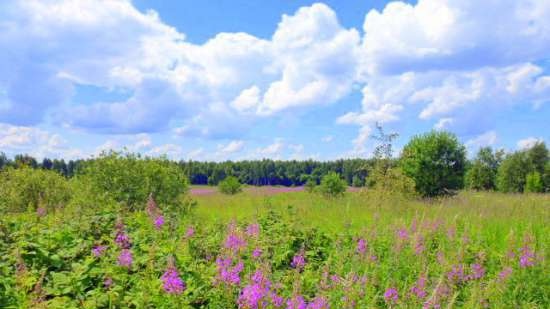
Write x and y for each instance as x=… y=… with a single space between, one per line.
x=231 y=148
x=36 y=142
x=528 y=142
x=443 y=123
x=486 y=139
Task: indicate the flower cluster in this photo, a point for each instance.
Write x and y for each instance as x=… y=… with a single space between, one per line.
x=299 y=261
x=171 y=281
x=227 y=272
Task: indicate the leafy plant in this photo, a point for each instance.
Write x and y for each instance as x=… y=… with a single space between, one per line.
x=230 y=185
x=332 y=185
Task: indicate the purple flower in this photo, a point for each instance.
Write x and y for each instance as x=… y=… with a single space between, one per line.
x=419 y=246
x=298 y=261
x=41 y=211
x=189 y=232
x=477 y=272
x=391 y=295
x=171 y=281
x=122 y=240
x=227 y=273
x=419 y=289
x=98 y=250
x=296 y=302
x=361 y=246
x=456 y=275
x=125 y=258
x=504 y=274
x=527 y=258
x=108 y=282
x=402 y=234
x=253 y=230
x=159 y=222
x=257 y=253
x=318 y=302
x=234 y=242
x=255 y=294
x=277 y=300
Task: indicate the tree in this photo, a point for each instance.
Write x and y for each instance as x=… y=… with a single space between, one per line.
x=332 y=185
x=230 y=185
x=538 y=156
x=358 y=181
x=482 y=173
x=513 y=171
x=435 y=161
x=4 y=161
x=533 y=182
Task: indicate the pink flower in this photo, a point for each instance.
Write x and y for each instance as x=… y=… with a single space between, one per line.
x=257 y=253
x=419 y=289
x=41 y=211
x=125 y=258
x=159 y=222
x=391 y=295
x=234 y=242
x=361 y=246
x=298 y=261
x=296 y=302
x=98 y=250
x=504 y=274
x=171 y=281
x=253 y=230
x=227 y=273
x=189 y=232
x=527 y=258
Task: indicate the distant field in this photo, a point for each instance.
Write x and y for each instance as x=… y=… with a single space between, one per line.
x=260 y=190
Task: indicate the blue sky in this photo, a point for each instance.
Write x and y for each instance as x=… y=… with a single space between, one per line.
x=216 y=80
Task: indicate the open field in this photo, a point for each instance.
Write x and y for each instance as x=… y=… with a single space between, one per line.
x=286 y=250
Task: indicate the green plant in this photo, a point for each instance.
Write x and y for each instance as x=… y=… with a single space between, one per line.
x=230 y=185
x=310 y=185
x=128 y=179
x=28 y=189
x=332 y=185
x=513 y=171
x=533 y=182
x=435 y=161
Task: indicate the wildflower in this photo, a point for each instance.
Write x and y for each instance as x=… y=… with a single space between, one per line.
x=277 y=300
x=234 y=242
x=527 y=258
x=125 y=258
x=298 y=261
x=98 y=250
x=254 y=294
x=391 y=295
x=504 y=274
x=477 y=272
x=122 y=240
x=41 y=211
x=108 y=282
x=419 y=246
x=318 y=302
x=253 y=230
x=361 y=246
x=227 y=273
x=159 y=222
x=402 y=234
x=171 y=281
x=456 y=275
x=189 y=232
x=296 y=302
x=419 y=289
x=257 y=253
x=151 y=209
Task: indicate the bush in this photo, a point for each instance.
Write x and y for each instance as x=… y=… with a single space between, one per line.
x=332 y=185
x=230 y=185
x=533 y=182
x=128 y=179
x=27 y=189
x=435 y=161
x=310 y=185
x=391 y=181
x=482 y=173
x=357 y=181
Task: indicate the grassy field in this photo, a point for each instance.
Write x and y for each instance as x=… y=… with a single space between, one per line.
x=260 y=249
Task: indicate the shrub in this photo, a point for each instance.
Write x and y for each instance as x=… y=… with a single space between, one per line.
x=332 y=185
x=357 y=181
x=435 y=161
x=230 y=185
x=310 y=185
x=482 y=173
x=533 y=182
x=128 y=179
x=391 y=181
x=27 y=189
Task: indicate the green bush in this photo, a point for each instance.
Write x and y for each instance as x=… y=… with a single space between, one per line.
x=128 y=179
x=391 y=181
x=310 y=185
x=27 y=189
x=332 y=185
x=513 y=171
x=357 y=181
x=230 y=185
x=533 y=182
x=435 y=161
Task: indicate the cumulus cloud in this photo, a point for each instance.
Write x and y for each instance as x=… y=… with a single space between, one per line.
x=528 y=142
x=231 y=148
x=483 y=140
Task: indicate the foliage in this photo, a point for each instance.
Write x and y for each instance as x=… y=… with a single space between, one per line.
x=435 y=161
x=513 y=171
x=310 y=185
x=392 y=181
x=450 y=254
x=533 y=182
x=332 y=185
x=230 y=185
x=28 y=189
x=128 y=179
x=358 y=181
x=481 y=175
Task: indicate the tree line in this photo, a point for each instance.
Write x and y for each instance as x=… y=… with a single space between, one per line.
x=435 y=161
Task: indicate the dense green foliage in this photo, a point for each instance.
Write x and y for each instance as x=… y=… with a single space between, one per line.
x=436 y=161
x=470 y=251
x=481 y=174
x=332 y=185
x=128 y=180
x=28 y=189
x=230 y=185
x=533 y=183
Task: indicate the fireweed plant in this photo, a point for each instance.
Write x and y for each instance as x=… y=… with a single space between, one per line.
x=423 y=256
